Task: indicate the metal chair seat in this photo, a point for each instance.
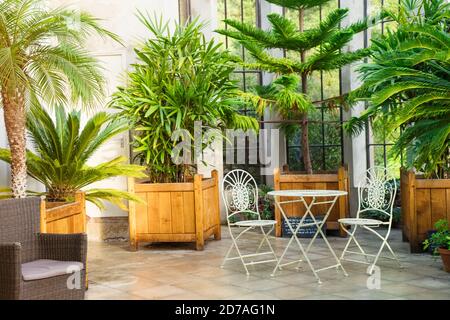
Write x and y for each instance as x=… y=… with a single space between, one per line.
x=360 y=222
x=255 y=223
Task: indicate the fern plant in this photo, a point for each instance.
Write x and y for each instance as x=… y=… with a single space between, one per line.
x=63 y=149
x=407 y=86
x=321 y=48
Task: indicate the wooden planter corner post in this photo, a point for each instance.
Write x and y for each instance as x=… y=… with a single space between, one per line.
x=276 y=186
x=218 y=232
x=132 y=216
x=198 y=200
x=424 y=201
x=344 y=206
x=175 y=212
x=331 y=181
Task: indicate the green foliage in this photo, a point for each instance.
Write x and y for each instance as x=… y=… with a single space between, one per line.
x=180 y=78
x=407 y=85
x=440 y=238
x=321 y=48
x=266 y=203
x=63 y=150
x=378 y=215
x=282 y=95
x=31 y=58
x=326 y=41
x=299 y=4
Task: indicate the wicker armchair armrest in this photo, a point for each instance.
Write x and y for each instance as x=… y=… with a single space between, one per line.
x=10 y=270
x=63 y=247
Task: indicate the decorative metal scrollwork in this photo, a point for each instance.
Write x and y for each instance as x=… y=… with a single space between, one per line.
x=377 y=190
x=240 y=191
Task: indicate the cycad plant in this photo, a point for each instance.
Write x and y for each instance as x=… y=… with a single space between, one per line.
x=63 y=149
x=180 y=78
x=407 y=85
x=321 y=48
x=42 y=58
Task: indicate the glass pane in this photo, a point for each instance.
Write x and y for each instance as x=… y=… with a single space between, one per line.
x=312 y=18
x=249 y=11
x=331 y=84
x=374 y=6
x=314 y=87
x=220 y=17
x=333 y=158
x=329 y=7
x=378 y=152
x=332 y=133
x=293 y=134
x=294 y=160
x=332 y=114
x=239 y=77
x=394 y=164
x=315 y=133
x=251 y=80
x=317 y=158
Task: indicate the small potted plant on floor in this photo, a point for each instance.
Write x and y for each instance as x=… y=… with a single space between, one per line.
x=440 y=240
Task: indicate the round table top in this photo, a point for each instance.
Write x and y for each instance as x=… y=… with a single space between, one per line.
x=308 y=193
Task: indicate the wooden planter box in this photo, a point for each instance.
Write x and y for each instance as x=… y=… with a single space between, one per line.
x=424 y=201
x=64 y=217
x=331 y=181
x=175 y=212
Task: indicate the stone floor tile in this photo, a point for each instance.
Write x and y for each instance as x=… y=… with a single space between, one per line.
x=177 y=271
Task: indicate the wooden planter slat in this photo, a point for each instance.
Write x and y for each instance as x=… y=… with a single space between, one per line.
x=64 y=217
x=424 y=201
x=175 y=212
x=329 y=181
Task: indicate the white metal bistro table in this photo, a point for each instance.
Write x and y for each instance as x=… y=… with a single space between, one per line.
x=299 y=196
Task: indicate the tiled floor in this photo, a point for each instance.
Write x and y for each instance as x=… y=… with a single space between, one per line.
x=176 y=271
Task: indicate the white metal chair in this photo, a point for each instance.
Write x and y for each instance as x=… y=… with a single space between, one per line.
x=376 y=192
x=240 y=195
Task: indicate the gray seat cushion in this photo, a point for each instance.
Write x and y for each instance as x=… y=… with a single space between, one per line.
x=42 y=269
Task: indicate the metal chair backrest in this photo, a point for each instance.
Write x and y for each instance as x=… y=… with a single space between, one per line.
x=377 y=192
x=240 y=194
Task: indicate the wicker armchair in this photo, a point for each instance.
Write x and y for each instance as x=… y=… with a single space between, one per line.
x=35 y=265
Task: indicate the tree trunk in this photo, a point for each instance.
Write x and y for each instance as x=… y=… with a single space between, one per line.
x=15 y=118
x=304 y=76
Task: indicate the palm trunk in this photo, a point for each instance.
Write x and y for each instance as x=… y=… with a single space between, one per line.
x=14 y=116
x=304 y=135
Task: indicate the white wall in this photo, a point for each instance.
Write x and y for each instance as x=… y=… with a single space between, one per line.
x=119 y=17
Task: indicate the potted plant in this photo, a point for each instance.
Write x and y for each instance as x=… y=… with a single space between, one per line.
x=440 y=242
x=179 y=89
x=307 y=52
x=406 y=86
x=43 y=58
x=60 y=162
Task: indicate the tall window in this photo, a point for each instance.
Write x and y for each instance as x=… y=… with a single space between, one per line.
x=325 y=129
x=245 y=11
x=378 y=142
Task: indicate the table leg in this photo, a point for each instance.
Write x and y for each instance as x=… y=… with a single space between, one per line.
x=319 y=231
x=294 y=236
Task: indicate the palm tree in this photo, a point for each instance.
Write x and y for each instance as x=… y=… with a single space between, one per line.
x=64 y=149
x=407 y=85
x=42 y=59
